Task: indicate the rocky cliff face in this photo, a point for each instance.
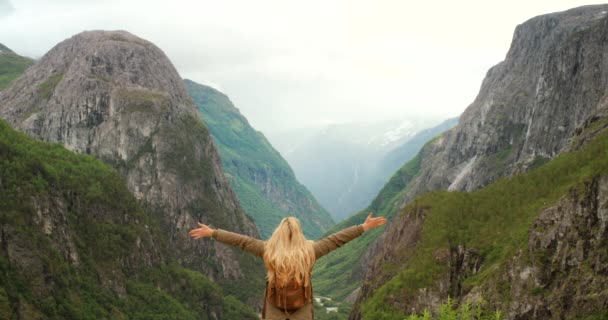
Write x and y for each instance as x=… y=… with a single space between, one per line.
x=529 y=245
x=117 y=97
x=263 y=181
x=566 y=275
x=529 y=105
x=75 y=244
x=553 y=79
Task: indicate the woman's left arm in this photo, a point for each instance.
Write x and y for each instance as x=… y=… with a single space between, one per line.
x=246 y=243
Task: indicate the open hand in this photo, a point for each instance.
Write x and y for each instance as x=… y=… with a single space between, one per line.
x=203 y=231
x=371 y=223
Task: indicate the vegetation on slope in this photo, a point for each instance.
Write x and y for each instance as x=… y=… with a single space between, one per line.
x=263 y=181
x=11 y=66
x=337 y=267
x=76 y=244
x=494 y=220
x=467 y=311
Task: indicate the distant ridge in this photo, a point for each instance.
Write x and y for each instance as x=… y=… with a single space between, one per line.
x=12 y=65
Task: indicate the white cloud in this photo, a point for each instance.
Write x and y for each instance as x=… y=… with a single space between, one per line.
x=289 y=64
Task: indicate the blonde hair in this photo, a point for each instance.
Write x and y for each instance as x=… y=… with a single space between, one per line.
x=288 y=254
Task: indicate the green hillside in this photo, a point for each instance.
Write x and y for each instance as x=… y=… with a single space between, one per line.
x=337 y=267
x=494 y=221
x=11 y=66
x=263 y=181
x=77 y=245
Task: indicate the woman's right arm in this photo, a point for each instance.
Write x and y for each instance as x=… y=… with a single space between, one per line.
x=338 y=239
x=246 y=243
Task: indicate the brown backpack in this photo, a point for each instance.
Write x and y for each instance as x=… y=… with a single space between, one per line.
x=288 y=298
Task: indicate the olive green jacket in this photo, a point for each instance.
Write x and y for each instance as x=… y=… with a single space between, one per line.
x=321 y=247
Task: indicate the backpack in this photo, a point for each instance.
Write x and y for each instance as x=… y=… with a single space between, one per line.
x=288 y=298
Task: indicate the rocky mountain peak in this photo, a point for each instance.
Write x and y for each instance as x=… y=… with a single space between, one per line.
x=91 y=70
x=529 y=105
x=529 y=109
x=118 y=97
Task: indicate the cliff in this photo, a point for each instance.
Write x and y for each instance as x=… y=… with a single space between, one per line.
x=528 y=250
x=76 y=244
x=118 y=98
x=530 y=109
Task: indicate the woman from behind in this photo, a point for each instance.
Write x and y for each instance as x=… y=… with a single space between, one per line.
x=289 y=258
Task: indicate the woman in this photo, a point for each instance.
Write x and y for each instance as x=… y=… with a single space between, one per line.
x=289 y=259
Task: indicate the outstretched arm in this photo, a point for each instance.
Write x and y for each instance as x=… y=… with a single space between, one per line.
x=338 y=239
x=252 y=245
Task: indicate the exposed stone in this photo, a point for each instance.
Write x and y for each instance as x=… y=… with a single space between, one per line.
x=117 y=97
x=552 y=83
x=566 y=274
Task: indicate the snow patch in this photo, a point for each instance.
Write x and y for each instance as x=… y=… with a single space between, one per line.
x=393 y=135
x=463 y=173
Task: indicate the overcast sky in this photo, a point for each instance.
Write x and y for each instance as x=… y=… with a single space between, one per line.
x=289 y=64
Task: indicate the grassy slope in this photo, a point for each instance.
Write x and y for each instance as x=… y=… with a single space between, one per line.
x=105 y=223
x=244 y=153
x=337 y=267
x=493 y=220
x=11 y=66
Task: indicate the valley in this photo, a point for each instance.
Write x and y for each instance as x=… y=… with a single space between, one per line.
x=108 y=156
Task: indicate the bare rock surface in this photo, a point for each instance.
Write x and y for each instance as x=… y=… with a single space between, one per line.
x=553 y=81
x=117 y=97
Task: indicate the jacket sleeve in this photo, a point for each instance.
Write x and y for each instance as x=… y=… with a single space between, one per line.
x=246 y=243
x=336 y=240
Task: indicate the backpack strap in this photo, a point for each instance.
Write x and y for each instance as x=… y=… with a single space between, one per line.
x=265 y=301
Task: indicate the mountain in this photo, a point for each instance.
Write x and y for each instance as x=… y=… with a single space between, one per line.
x=526 y=242
x=12 y=65
x=118 y=98
x=346 y=267
x=263 y=181
x=76 y=244
x=392 y=161
x=521 y=246
x=339 y=274
x=342 y=164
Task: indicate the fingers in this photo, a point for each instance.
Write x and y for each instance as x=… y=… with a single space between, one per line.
x=376 y=222
x=196 y=233
x=202 y=232
x=370 y=215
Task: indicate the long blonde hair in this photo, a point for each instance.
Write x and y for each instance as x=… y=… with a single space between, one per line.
x=289 y=254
